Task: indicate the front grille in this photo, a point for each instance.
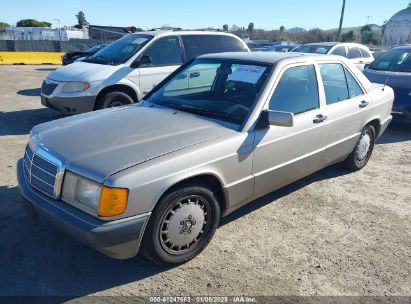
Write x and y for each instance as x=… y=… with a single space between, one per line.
x=41 y=173
x=48 y=88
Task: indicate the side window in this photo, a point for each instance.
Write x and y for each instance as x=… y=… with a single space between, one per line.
x=353 y=52
x=165 y=51
x=353 y=86
x=339 y=51
x=297 y=91
x=335 y=84
x=365 y=54
x=196 y=45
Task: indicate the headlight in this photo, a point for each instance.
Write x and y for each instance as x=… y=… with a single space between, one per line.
x=78 y=190
x=105 y=201
x=75 y=86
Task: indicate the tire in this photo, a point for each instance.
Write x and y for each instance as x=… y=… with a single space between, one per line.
x=363 y=149
x=113 y=99
x=175 y=238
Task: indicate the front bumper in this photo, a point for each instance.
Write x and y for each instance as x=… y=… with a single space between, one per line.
x=69 y=105
x=118 y=239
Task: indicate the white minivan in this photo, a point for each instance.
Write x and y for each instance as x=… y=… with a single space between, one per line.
x=127 y=69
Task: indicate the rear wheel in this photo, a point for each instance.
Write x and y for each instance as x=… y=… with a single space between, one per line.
x=363 y=149
x=113 y=99
x=181 y=226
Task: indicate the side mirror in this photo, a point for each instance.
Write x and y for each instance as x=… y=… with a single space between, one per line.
x=144 y=60
x=276 y=118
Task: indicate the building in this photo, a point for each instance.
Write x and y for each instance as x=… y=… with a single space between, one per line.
x=398 y=28
x=42 y=33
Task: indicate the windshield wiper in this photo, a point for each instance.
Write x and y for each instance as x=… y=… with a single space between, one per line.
x=209 y=113
x=105 y=59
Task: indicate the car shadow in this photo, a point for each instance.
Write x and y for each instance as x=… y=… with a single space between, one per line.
x=21 y=122
x=396 y=132
x=46 y=69
x=326 y=173
x=30 y=92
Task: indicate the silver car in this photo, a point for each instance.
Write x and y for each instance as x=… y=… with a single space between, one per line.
x=161 y=174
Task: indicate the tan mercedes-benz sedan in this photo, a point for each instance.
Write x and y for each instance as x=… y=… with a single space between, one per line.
x=221 y=131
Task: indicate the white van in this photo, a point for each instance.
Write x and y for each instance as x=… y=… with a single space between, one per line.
x=127 y=69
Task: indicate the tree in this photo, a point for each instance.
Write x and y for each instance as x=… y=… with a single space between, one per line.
x=282 y=29
x=225 y=27
x=349 y=36
x=341 y=20
x=81 y=20
x=4 y=24
x=368 y=36
x=250 y=28
x=234 y=28
x=32 y=23
x=366 y=28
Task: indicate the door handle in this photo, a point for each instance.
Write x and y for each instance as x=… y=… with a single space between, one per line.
x=319 y=118
x=363 y=104
x=194 y=74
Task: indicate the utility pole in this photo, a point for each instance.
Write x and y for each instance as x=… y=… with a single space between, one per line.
x=14 y=37
x=341 y=21
x=368 y=19
x=58 y=20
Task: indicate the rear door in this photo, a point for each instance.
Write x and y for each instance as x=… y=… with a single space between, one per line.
x=345 y=102
x=166 y=56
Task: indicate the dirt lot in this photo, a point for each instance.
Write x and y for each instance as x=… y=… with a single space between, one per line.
x=332 y=233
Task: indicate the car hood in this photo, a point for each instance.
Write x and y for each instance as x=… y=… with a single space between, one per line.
x=99 y=144
x=84 y=71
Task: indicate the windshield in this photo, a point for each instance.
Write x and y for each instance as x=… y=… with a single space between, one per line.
x=120 y=50
x=393 y=61
x=314 y=49
x=95 y=48
x=222 y=89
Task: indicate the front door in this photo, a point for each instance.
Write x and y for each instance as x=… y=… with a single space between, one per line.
x=166 y=57
x=285 y=154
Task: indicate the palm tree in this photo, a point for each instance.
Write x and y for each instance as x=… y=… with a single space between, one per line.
x=341 y=21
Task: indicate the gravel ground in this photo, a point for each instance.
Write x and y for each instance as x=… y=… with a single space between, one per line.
x=331 y=233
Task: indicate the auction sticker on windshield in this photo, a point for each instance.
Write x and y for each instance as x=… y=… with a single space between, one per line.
x=247 y=73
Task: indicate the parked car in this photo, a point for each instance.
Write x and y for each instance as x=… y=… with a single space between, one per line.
x=197 y=149
x=393 y=68
x=358 y=54
x=127 y=69
x=281 y=48
x=71 y=57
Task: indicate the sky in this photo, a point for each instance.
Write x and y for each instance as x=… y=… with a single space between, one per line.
x=191 y=14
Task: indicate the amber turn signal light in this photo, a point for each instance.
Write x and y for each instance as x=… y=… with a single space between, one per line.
x=113 y=201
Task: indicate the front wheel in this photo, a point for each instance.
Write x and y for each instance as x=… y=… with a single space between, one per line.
x=113 y=99
x=181 y=226
x=363 y=149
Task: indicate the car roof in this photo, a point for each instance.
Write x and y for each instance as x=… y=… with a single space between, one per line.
x=181 y=32
x=267 y=57
x=402 y=47
x=331 y=44
x=323 y=43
